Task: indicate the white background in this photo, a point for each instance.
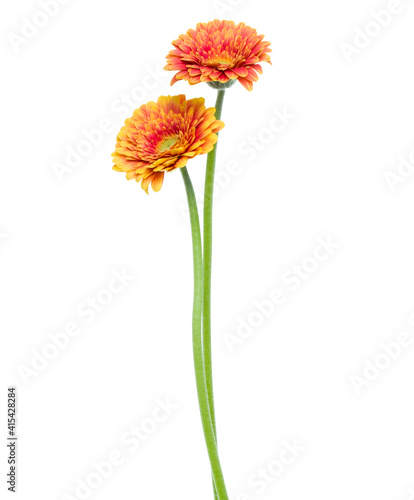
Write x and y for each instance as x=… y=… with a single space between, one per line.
x=321 y=176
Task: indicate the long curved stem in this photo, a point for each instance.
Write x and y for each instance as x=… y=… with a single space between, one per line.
x=207 y=254
x=208 y=429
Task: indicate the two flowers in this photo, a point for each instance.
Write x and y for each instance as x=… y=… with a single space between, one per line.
x=162 y=136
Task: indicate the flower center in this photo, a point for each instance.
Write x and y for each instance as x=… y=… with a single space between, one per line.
x=168 y=143
x=221 y=62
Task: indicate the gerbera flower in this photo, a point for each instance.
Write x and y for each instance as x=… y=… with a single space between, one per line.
x=219 y=51
x=163 y=136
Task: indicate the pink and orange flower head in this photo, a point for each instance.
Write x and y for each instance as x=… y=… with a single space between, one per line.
x=163 y=136
x=219 y=52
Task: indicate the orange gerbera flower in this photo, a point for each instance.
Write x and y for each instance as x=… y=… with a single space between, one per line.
x=162 y=136
x=219 y=52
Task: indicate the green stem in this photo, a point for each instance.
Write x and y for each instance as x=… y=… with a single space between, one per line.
x=208 y=429
x=207 y=253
